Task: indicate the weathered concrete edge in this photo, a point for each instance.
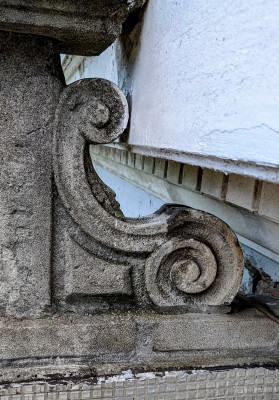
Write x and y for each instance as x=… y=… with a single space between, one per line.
x=78 y=347
x=84 y=374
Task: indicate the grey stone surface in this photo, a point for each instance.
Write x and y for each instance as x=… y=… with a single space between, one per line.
x=87 y=274
x=82 y=27
x=67 y=346
x=207 y=332
x=66 y=336
x=31 y=83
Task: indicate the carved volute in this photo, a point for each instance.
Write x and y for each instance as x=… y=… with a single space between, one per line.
x=185 y=257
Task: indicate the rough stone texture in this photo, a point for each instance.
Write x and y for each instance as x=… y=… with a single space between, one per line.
x=82 y=27
x=234 y=333
x=31 y=82
x=90 y=275
x=84 y=346
x=66 y=336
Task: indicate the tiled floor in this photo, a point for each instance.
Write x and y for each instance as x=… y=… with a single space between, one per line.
x=248 y=384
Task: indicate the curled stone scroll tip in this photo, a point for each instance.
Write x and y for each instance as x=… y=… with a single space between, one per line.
x=192 y=259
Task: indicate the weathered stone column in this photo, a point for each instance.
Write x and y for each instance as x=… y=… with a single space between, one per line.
x=31 y=83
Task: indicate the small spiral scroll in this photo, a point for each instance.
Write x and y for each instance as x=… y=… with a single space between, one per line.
x=97 y=109
x=197 y=269
x=179 y=267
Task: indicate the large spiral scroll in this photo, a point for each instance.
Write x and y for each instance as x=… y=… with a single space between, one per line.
x=191 y=257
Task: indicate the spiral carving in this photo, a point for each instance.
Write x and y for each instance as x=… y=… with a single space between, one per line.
x=193 y=271
x=196 y=271
x=179 y=267
x=185 y=257
x=93 y=111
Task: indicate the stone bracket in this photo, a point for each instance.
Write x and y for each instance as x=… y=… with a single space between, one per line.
x=184 y=258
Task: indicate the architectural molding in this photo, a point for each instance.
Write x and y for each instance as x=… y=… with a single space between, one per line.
x=264 y=171
x=183 y=183
x=82 y=28
x=75 y=347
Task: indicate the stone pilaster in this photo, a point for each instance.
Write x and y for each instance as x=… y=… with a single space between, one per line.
x=31 y=83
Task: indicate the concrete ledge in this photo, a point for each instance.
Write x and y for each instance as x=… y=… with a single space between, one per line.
x=71 y=346
x=205 y=332
x=66 y=336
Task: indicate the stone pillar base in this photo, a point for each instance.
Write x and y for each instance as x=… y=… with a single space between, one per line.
x=76 y=347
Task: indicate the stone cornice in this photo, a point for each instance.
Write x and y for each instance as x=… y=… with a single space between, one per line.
x=84 y=27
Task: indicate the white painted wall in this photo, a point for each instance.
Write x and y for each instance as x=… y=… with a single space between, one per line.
x=205 y=81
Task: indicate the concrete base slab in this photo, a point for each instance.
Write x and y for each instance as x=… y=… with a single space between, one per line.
x=71 y=346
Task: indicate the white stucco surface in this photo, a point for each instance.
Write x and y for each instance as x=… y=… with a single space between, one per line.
x=202 y=83
x=205 y=81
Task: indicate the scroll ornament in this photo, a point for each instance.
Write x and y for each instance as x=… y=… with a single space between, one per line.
x=191 y=258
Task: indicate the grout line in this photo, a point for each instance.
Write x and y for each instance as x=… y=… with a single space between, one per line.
x=199 y=180
x=166 y=169
x=224 y=186
x=180 y=174
x=153 y=165
x=257 y=195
